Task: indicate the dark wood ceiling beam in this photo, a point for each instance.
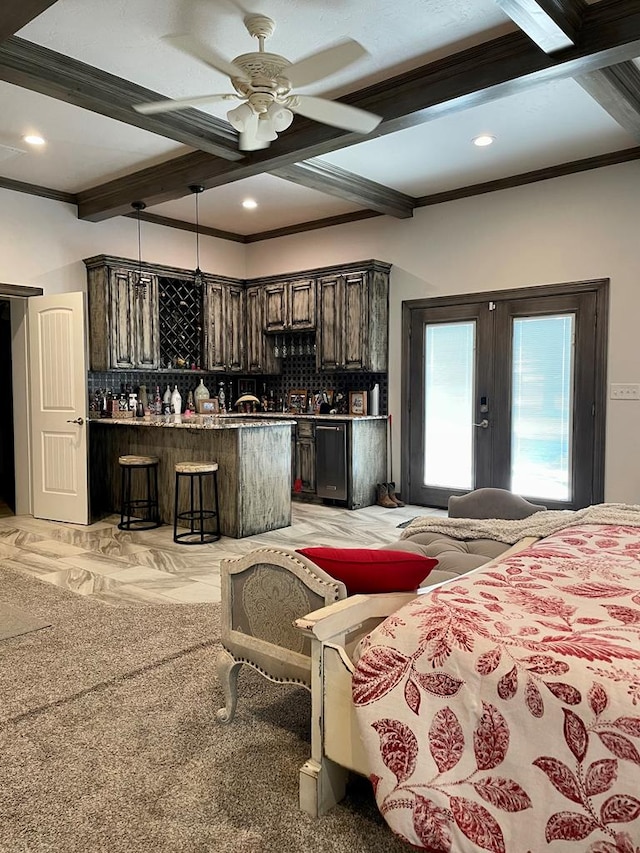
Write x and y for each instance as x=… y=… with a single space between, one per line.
x=552 y=24
x=617 y=90
x=505 y=66
x=316 y=175
x=42 y=70
x=16 y=14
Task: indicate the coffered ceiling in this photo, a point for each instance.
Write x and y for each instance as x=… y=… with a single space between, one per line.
x=555 y=82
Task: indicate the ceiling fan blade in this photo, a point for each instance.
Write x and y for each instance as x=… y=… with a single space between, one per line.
x=168 y=106
x=191 y=46
x=334 y=113
x=324 y=62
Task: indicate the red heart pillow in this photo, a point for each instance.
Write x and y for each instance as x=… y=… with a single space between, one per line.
x=371 y=570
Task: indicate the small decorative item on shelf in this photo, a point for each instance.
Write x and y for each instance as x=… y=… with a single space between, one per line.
x=201 y=392
x=357 y=402
x=297 y=401
x=247 y=403
x=208 y=407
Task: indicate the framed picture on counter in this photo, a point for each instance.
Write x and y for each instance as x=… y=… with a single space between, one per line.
x=297 y=401
x=357 y=402
x=209 y=406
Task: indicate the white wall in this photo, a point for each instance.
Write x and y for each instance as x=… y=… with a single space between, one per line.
x=569 y=229
x=43 y=244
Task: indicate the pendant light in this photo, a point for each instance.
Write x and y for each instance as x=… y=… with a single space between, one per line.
x=196 y=189
x=141 y=280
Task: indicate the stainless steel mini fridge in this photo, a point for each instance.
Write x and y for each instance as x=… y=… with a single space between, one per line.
x=331 y=460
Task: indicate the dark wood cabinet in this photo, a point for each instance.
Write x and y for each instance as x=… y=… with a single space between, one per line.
x=223 y=312
x=346 y=307
x=290 y=306
x=123 y=315
x=353 y=319
x=305 y=456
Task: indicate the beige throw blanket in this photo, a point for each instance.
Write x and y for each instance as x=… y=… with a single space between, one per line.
x=540 y=524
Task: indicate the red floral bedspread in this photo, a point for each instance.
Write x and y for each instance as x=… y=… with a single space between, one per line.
x=502 y=712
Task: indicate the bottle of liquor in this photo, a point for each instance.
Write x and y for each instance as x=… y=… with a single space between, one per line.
x=176 y=401
x=157 y=402
x=166 y=401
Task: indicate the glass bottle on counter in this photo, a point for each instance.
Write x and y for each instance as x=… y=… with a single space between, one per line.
x=201 y=392
x=157 y=402
x=166 y=401
x=176 y=401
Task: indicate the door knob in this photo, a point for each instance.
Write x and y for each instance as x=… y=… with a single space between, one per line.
x=78 y=421
x=484 y=424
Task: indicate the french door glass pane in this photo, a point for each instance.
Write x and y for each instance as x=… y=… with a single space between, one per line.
x=542 y=391
x=449 y=391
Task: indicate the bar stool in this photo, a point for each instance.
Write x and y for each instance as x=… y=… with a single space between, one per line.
x=139 y=513
x=196 y=516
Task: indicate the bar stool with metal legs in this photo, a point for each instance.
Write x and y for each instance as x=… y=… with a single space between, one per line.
x=199 y=518
x=139 y=513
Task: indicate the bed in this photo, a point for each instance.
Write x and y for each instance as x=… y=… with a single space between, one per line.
x=499 y=711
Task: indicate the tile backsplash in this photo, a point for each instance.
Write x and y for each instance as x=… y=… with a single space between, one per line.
x=298 y=372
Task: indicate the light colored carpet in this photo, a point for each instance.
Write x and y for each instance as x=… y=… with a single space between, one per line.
x=109 y=741
x=14 y=622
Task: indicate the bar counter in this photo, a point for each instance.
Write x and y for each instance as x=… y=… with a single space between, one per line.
x=253 y=456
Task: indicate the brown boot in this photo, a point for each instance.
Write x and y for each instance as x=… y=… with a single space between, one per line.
x=383 y=498
x=391 y=491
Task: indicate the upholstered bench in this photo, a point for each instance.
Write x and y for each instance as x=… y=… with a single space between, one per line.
x=455 y=556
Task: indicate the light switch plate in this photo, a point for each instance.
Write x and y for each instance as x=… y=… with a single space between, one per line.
x=625 y=391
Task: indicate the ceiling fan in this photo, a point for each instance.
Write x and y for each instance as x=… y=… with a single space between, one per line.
x=264 y=82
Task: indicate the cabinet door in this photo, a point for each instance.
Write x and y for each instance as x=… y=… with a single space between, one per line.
x=276 y=307
x=255 y=339
x=122 y=330
x=306 y=455
x=234 y=332
x=146 y=313
x=302 y=305
x=331 y=320
x=214 y=326
x=356 y=322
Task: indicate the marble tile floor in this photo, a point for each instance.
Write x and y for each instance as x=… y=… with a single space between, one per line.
x=123 y=568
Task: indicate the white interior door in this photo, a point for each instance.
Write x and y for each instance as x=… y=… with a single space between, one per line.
x=58 y=396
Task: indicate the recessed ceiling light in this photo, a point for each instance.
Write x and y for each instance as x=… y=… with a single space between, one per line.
x=483 y=140
x=250 y=203
x=32 y=139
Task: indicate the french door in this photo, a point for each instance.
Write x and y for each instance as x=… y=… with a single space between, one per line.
x=506 y=389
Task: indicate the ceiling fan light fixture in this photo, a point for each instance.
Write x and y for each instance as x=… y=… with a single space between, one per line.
x=280 y=117
x=240 y=117
x=266 y=131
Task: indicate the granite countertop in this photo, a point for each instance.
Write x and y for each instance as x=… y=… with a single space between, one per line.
x=291 y=416
x=218 y=422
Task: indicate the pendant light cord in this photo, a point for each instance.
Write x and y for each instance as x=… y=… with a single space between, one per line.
x=196 y=189
x=197 y=236
x=141 y=285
